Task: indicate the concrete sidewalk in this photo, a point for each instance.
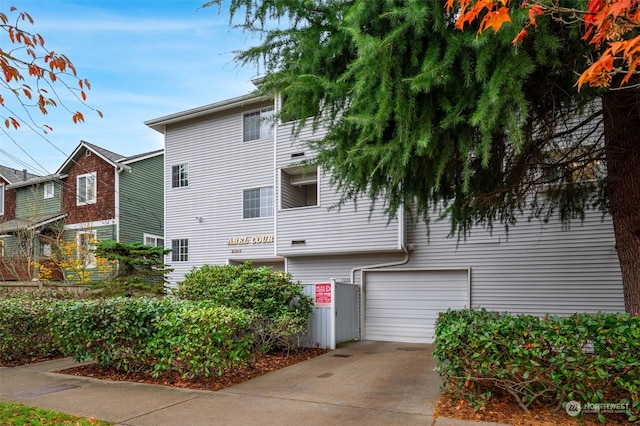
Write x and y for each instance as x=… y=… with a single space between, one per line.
x=370 y=383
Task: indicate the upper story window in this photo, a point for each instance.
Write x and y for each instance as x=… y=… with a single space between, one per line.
x=86 y=185
x=49 y=190
x=180 y=175
x=299 y=187
x=1 y=198
x=180 y=250
x=257 y=202
x=258 y=124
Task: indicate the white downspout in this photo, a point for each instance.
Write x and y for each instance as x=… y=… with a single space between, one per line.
x=116 y=213
x=276 y=187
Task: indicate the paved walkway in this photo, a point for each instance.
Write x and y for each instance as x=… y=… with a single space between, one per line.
x=364 y=383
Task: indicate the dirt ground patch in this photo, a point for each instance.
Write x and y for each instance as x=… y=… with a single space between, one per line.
x=265 y=364
x=503 y=409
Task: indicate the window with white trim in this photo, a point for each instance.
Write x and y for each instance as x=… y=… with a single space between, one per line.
x=1 y=198
x=180 y=250
x=86 y=192
x=85 y=243
x=257 y=202
x=258 y=124
x=153 y=240
x=180 y=175
x=49 y=190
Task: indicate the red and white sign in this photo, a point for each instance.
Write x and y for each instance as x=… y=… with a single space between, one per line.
x=323 y=295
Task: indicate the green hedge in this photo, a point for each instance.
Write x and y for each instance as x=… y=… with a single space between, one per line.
x=279 y=308
x=553 y=360
x=25 y=328
x=153 y=336
x=113 y=332
x=201 y=339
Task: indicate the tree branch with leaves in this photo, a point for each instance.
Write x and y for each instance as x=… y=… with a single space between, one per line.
x=611 y=27
x=32 y=75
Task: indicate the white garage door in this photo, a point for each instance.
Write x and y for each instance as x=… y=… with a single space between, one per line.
x=402 y=306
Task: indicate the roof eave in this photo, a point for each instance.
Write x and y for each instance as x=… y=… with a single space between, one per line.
x=43 y=179
x=159 y=124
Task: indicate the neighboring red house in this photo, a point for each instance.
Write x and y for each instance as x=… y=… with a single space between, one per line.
x=95 y=195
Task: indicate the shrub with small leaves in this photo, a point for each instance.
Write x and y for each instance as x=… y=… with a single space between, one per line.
x=25 y=328
x=200 y=339
x=113 y=332
x=278 y=305
x=551 y=359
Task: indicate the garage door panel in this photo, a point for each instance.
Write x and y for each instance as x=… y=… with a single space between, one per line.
x=402 y=306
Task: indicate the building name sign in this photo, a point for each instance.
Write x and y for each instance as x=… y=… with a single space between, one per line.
x=256 y=239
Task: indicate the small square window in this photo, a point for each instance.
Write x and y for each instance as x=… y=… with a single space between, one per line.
x=49 y=190
x=258 y=124
x=257 y=202
x=180 y=250
x=180 y=176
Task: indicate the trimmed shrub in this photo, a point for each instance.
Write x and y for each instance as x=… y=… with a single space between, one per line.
x=279 y=308
x=113 y=332
x=199 y=339
x=25 y=328
x=155 y=336
x=553 y=360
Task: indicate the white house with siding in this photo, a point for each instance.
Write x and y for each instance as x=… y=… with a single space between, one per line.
x=234 y=192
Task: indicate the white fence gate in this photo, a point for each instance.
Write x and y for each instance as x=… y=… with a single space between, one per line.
x=336 y=313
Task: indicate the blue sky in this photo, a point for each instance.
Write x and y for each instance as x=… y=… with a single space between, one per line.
x=144 y=59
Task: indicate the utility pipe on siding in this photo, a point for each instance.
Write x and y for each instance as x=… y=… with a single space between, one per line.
x=403 y=246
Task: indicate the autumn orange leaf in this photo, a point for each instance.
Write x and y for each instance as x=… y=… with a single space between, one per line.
x=519 y=37
x=78 y=117
x=495 y=20
x=536 y=10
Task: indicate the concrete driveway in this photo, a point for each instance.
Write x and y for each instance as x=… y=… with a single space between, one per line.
x=370 y=383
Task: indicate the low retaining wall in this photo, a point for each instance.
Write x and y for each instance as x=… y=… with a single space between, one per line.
x=33 y=286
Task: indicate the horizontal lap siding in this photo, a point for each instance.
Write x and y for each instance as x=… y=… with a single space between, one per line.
x=320 y=269
x=331 y=231
x=288 y=143
x=221 y=165
x=536 y=269
x=326 y=230
x=30 y=201
x=141 y=202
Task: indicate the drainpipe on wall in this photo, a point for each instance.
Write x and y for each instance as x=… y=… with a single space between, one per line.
x=403 y=246
x=116 y=207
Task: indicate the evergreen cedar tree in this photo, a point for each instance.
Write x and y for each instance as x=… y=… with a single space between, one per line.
x=423 y=114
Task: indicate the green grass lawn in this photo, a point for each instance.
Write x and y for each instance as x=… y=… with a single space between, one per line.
x=18 y=414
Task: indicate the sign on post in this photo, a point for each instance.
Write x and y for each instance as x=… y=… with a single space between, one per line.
x=323 y=295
